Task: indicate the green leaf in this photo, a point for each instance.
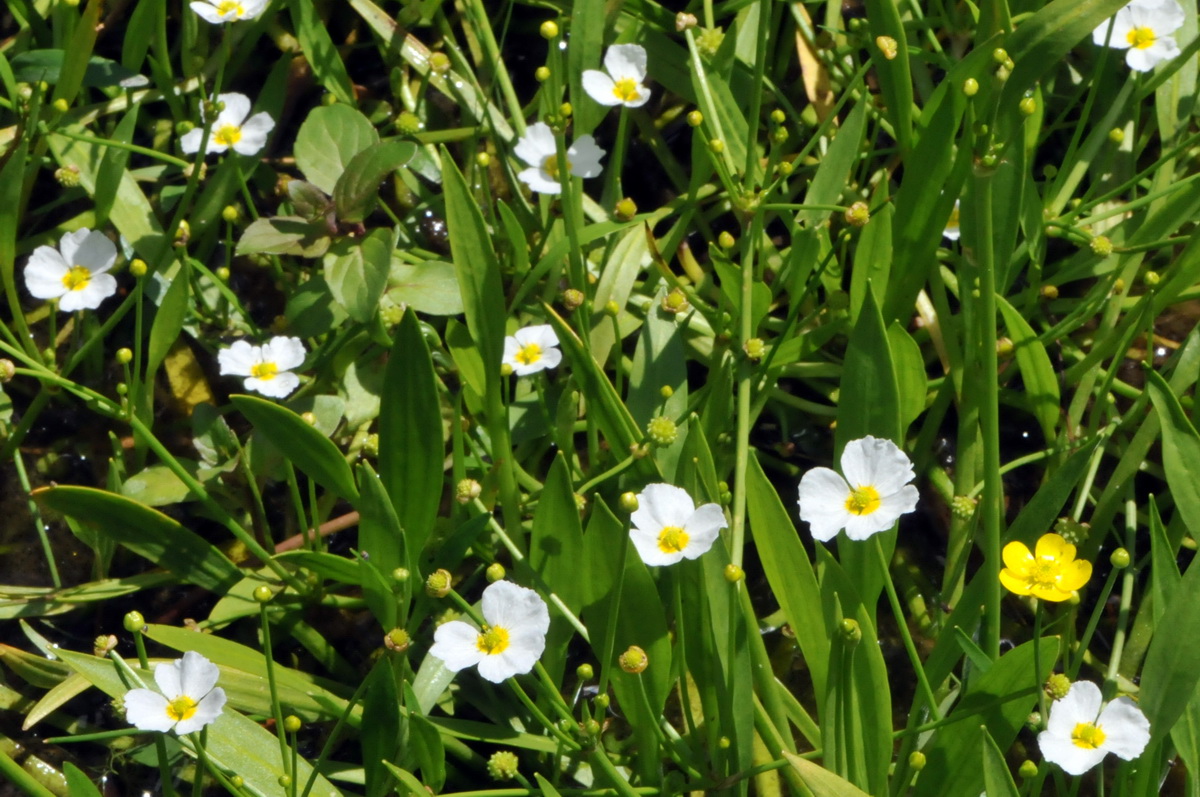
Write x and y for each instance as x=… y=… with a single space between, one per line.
x=834 y=171
x=425 y=743
x=1181 y=449
x=430 y=287
x=587 y=42
x=911 y=381
x=78 y=783
x=328 y=139
x=320 y=51
x=821 y=782
x=380 y=726
x=168 y=321
x=895 y=80
x=1170 y=670
x=381 y=540
x=33 y=66
x=998 y=781
x=115 y=159
x=357 y=189
x=1037 y=372
x=78 y=53
x=357 y=271
x=147 y=532
x=308 y=448
x=284 y=235
x=411 y=446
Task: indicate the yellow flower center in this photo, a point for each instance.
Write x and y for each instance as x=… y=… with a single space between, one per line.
x=264 y=371
x=550 y=166
x=1087 y=736
x=1045 y=573
x=493 y=641
x=227 y=135
x=626 y=89
x=231 y=8
x=77 y=278
x=1141 y=38
x=528 y=354
x=672 y=539
x=862 y=500
x=181 y=708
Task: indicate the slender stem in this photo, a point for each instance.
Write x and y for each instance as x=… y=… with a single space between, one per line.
x=1128 y=577
x=610 y=629
x=613 y=191
x=15 y=774
x=1037 y=662
x=104 y=142
x=36 y=513
x=737 y=528
x=905 y=635
x=276 y=708
x=1097 y=613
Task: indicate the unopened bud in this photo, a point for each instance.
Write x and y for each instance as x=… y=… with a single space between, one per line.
x=695 y=118
x=371 y=445
x=104 y=643
x=124 y=356
x=541 y=74
x=263 y=594
x=400 y=575
x=733 y=573
x=634 y=660
x=67 y=176
x=1027 y=106
x=495 y=572
x=483 y=159
x=850 y=630
x=1049 y=292
x=1116 y=135
x=1005 y=348
x=716 y=146
x=601 y=701
x=231 y=214
x=684 y=21
x=566 y=109
x=572 y=299
x=437 y=585
x=183 y=233
x=611 y=309
x=584 y=672
x=1119 y=559
x=666 y=391
x=916 y=760
x=467 y=490
x=780 y=135
x=7 y=370
x=439 y=62
x=625 y=210
x=309 y=417
x=888 y=46
x=785 y=168
x=549 y=29
x=1028 y=769
x=629 y=502
x=726 y=240
x=970 y=87
x=1151 y=278
x=134 y=622
x=858 y=214
x=61 y=105
x=292 y=723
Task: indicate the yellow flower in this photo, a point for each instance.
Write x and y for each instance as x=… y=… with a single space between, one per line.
x=1051 y=572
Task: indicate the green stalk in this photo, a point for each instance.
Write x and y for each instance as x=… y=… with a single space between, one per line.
x=491 y=50
x=276 y=709
x=36 y=513
x=750 y=175
x=902 y=624
x=1037 y=662
x=745 y=380
x=613 y=191
x=1097 y=613
x=1128 y=577
x=15 y=774
x=610 y=630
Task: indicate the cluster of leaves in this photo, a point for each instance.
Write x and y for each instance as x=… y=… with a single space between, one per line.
x=785 y=289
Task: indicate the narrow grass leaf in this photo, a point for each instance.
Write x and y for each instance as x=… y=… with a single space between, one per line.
x=1170 y=669
x=320 y=51
x=1180 y=447
x=1037 y=373
x=821 y=782
x=895 y=79
x=381 y=540
x=998 y=781
x=381 y=726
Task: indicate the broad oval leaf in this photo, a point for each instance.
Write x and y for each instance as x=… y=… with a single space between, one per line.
x=329 y=138
x=357 y=271
x=358 y=187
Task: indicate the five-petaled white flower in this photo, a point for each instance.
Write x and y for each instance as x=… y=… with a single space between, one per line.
x=1143 y=28
x=509 y=644
x=537 y=148
x=668 y=526
x=1079 y=734
x=532 y=349
x=625 y=65
x=874 y=494
x=231 y=129
x=75 y=273
x=267 y=368
x=190 y=698
x=218 y=11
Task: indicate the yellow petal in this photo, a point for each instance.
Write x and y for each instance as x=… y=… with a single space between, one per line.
x=1075 y=575
x=1052 y=546
x=1017 y=557
x=1050 y=593
x=1012 y=582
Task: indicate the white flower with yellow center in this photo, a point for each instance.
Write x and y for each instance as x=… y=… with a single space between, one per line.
x=668 y=526
x=231 y=129
x=532 y=349
x=952 y=230
x=267 y=368
x=1143 y=29
x=218 y=11
x=625 y=65
x=873 y=495
x=190 y=698
x=511 y=641
x=76 y=273
x=1079 y=733
x=537 y=148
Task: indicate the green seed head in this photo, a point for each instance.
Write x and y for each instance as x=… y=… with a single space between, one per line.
x=437 y=585
x=662 y=431
x=1057 y=686
x=634 y=660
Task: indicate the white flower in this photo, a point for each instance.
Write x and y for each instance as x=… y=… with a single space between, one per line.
x=532 y=349
x=537 y=148
x=874 y=494
x=1079 y=733
x=510 y=643
x=266 y=367
x=232 y=129
x=1144 y=29
x=75 y=273
x=952 y=231
x=668 y=526
x=218 y=11
x=192 y=698
x=626 y=68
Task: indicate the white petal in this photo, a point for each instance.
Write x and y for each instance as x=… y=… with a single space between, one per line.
x=207 y=710
x=876 y=462
x=254 y=8
x=585 y=156
x=536 y=145
x=455 y=643
x=703 y=528
x=626 y=61
x=44 y=273
x=70 y=243
x=541 y=334
x=646 y=544
x=1073 y=759
x=99 y=288
x=254 y=134
x=197 y=675
x=239 y=359
x=515 y=608
x=237 y=108
x=1141 y=60
x=286 y=352
x=166 y=675
x=600 y=87
x=1080 y=704
x=643 y=96
x=207 y=12
x=518 y=658
x=823 y=495
x=95 y=252
x=550 y=358
x=539 y=180
x=189 y=142
x=860 y=527
x=147 y=710
x=662 y=505
x=497 y=669
x=279 y=386
x=1126 y=729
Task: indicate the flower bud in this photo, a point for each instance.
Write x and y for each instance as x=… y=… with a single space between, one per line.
x=888 y=46
x=684 y=21
x=785 y=168
x=675 y=302
x=1028 y=769
x=634 y=660
x=858 y=214
x=1057 y=686
x=309 y=417
x=572 y=299
x=439 y=62
x=541 y=74
x=505 y=369
x=1151 y=279
x=1119 y=559
x=724 y=743
x=850 y=630
x=716 y=146
x=601 y=701
x=467 y=490
x=549 y=29
x=1005 y=348
x=483 y=159
x=611 y=309
x=285 y=781
x=61 y=105
x=1049 y=292
x=495 y=572
x=138 y=267
x=733 y=573
x=916 y=760
x=1027 y=106
x=584 y=672
x=778 y=116
x=591 y=727
x=1102 y=245
x=625 y=210
x=1000 y=55
x=400 y=575
x=437 y=585
x=629 y=502
x=503 y=763
x=970 y=87
x=231 y=214
x=67 y=176
x=124 y=356
x=1072 y=530
x=1116 y=135
x=662 y=431
x=666 y=391
x=134 y=622
x=292 y=723
x=183 y=233
x=780 y=135
x=726 y=240
x=755 y=349
x=695 y=118
x=223 y=274
x=396 y=640
x=263 y=594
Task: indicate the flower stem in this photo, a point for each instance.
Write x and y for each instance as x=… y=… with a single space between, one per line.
x=276 y=708
x=1037 y=662
x=905 y=635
